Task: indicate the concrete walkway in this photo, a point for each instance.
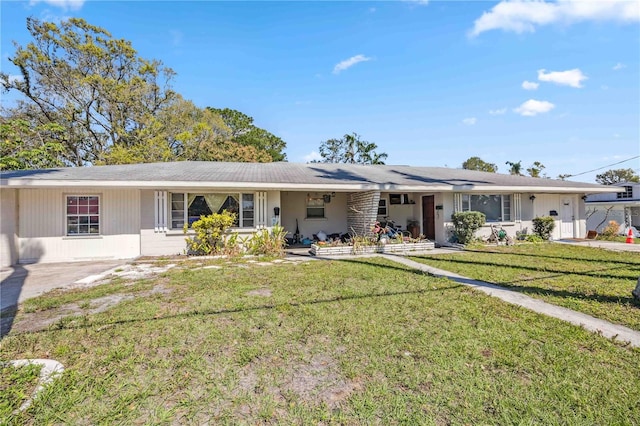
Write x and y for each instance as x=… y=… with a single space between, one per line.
x=609 y=330
x=607 y=245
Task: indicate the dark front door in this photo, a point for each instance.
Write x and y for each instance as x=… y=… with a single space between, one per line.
x=428 y=217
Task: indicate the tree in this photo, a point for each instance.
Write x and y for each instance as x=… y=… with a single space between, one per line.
x=245 y=133
x=476 y=163
x=617 y=176
x=515 y=168
x=351 y=149
x=182 y=131
x=563 y=176
x=535 y=169
x=25 y=145
x=77 y=76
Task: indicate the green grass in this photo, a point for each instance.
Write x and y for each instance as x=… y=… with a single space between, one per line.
x=361 y=341
x=593 y=281
x=16 y=386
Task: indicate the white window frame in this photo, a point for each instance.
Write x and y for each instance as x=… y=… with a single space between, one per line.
x=67 y=215
x=185 y=208
x=465 y=205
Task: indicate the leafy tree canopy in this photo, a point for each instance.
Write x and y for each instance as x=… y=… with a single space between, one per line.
x=25 y=145
x=515 y=168
x=476 y=163
x=351 y=149
x=245 y=133
x=617 y=176
x=88 y=98
x=76 y=75
x=535 y=169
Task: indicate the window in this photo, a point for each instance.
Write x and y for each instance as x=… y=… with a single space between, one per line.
x=398 y=198
x=628 y=193
x=315 y=208
x=187 y=208
x=382 y=207
x=497 y=208
x=83 y=215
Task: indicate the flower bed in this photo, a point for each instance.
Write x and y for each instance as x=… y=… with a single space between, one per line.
x=403 y=248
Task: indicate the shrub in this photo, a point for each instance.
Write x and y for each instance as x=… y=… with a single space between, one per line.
x=543 y=227
x=268 y=242
x=209 y=237
x=533 y=238
x=465 y=225
x=611 y=230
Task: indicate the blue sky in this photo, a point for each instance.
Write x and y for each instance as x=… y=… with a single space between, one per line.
x=432 y=83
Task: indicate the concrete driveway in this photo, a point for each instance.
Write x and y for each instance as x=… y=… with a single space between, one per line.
x=22 y=282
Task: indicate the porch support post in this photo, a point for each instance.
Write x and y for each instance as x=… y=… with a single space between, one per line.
x=362 y=211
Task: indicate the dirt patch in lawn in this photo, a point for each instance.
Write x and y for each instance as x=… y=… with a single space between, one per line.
x=262 y=292
x=313 y=379
x=41 y=320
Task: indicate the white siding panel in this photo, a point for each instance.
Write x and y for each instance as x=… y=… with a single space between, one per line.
x=8 y=227
x=42 y=234
x=154 y=243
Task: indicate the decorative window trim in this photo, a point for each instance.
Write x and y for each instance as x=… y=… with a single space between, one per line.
x=85 y=218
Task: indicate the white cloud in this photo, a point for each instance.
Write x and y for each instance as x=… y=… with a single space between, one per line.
x=525 y=16
x=573 y=78
x=372 y=10
x=63 y=4
x=532 y=107
x=312 y=156
x=470 y=121
x=499 y=111
x=419 y=2
x=619 y=66
x=348 y=63
x=530 y=85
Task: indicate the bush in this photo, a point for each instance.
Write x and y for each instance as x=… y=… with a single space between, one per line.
x=465 y=225
x=543 y=227
x=533 y=238
x=611 y=230
x=268 y=242
x=209 y=237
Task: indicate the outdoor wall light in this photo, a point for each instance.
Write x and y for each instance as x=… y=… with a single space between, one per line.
x=532 y=197
x=584 y=198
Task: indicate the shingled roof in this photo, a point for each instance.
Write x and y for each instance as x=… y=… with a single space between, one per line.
x=289 y=176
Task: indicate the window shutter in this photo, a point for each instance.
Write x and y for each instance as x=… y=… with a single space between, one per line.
x=160 y=211
x=260 y=205
x=457 y=202
x=517 y=208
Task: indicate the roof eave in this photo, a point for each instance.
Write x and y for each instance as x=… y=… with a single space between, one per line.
x=346 y=187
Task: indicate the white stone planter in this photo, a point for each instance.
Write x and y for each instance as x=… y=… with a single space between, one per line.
x=404 y=248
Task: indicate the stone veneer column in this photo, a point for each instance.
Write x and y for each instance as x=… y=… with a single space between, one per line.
x=362 y=211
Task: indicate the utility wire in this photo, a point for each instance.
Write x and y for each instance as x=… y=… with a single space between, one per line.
x=604 y=167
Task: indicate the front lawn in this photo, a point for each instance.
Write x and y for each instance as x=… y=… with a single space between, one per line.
x=363 y=341
x=593 y=281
